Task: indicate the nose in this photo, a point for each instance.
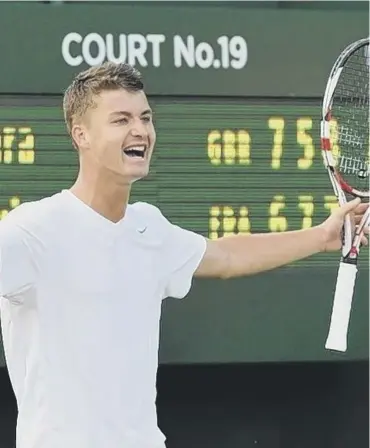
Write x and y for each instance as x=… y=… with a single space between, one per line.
x=138 y=129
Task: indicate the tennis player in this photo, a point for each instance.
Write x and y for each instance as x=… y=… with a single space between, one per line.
x=83 y=274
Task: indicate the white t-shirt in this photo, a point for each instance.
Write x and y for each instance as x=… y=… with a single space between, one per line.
x=80 y=309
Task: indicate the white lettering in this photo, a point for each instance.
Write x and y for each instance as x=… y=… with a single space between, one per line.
x=184 y=51
x=156 y=40
x=122 y=48
x=74 y=61
x=93 y=38
x=137 y=46
x=144 y=50
x=93 y=49
x=239 y=51
x=204 y=55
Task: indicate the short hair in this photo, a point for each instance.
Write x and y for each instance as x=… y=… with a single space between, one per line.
x=79 y=96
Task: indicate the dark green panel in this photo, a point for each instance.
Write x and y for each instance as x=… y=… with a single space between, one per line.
x=280 y=316
x=262 y=51
x=277 y=316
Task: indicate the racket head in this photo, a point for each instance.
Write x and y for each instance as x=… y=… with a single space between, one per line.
x=345 y=120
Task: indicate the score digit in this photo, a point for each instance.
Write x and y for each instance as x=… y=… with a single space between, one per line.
x=277 y=124
x=331 y=203
x=26 y=147
x=21 y=140
x=6 y=155
x=277 y=223
x=307 y=206
x=305 y=140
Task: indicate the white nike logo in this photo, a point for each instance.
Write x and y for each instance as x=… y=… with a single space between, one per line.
x=142 y=230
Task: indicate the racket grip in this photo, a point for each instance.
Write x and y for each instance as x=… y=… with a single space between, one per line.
x=338 y=330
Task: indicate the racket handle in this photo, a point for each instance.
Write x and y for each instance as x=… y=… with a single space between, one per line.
x=337 y=337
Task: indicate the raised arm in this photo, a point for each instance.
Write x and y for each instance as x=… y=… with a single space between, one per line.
x=242 y=255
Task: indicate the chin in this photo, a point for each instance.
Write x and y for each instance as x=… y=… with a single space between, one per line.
x=136 y=175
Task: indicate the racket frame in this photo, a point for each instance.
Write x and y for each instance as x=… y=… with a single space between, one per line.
x=340 y=187
x=347 y=272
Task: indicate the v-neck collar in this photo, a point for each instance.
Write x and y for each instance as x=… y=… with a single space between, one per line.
x=96 y=219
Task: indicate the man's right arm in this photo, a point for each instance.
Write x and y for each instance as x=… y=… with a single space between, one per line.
x=17 y=268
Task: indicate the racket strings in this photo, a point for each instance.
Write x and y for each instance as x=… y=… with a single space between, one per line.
x=351 y=112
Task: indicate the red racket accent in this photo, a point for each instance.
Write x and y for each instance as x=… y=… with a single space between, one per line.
x=325 y=144
x=346 y=187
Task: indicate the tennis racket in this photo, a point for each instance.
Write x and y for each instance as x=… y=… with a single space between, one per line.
x=345 y=151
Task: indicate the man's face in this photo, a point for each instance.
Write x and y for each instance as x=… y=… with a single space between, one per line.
x=118 y=135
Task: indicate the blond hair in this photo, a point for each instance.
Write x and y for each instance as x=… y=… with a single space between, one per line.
x=79 y=96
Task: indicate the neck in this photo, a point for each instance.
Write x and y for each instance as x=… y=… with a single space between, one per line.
x=103 y=194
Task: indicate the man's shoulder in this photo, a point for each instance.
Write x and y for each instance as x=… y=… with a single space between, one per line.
x=33 y=212
x=148 y=216
x=145 y=209
x=149 y=213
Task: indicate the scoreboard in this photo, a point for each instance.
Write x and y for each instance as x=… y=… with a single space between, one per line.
x=220 y=166
x=236 y=107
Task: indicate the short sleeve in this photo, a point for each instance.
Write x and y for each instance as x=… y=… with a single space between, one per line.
x=183 y=252
x=17 y=271
x=180 y=251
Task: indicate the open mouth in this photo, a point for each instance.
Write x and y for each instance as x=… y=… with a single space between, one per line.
x=135 y=151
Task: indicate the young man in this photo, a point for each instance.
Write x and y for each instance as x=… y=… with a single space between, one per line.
x=83 y=274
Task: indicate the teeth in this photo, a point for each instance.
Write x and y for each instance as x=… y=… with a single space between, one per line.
x=135 y=148
x=135 y=151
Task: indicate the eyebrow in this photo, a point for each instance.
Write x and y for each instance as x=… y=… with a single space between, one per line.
x=129 y=114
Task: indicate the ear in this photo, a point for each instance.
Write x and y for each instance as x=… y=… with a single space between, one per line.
x=80 y=136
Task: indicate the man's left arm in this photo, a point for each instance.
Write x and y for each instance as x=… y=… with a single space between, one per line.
x=242 y=255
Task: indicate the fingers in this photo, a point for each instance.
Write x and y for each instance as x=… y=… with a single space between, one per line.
x=357 y=209
x=358 y=218
x=361 y=208
x=349 y=207
x=359 y=213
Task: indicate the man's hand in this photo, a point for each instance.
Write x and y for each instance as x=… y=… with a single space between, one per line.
x=333 y=226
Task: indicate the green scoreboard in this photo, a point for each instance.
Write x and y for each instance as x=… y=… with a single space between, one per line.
x=220 y=166
x=236 y=93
